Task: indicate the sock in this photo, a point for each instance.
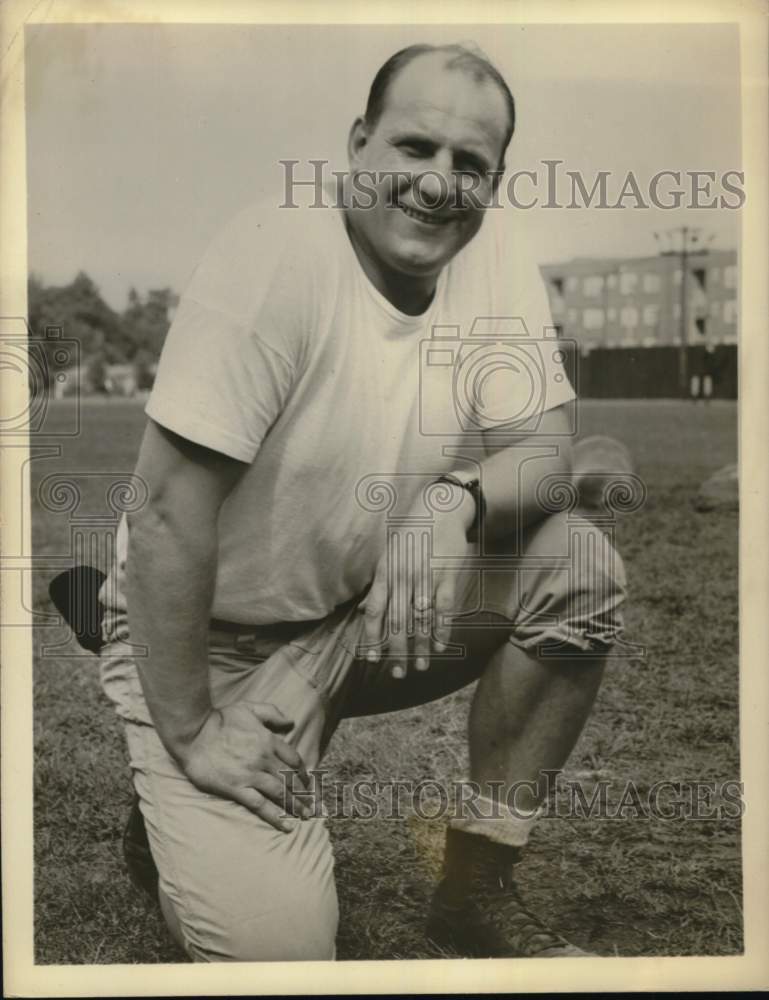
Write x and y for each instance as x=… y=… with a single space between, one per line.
x=498 y=823
x=468 y=855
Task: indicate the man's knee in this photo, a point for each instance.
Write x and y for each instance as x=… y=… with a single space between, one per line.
x=584 y=545
x=300 y=928
x=586 y=591
x=568 y=588
x=241 y=892
x=300 y=939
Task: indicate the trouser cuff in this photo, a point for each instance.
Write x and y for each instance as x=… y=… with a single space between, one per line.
x=498 y=823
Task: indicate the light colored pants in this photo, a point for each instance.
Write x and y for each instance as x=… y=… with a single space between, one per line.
x=238 y=889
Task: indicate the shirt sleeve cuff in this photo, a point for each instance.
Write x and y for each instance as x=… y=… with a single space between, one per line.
x=173 y=418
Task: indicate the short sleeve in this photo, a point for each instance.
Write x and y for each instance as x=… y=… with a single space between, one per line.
x=526 y=374
x=231 y=356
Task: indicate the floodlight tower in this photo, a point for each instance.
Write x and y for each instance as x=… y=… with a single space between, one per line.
x=689 y=241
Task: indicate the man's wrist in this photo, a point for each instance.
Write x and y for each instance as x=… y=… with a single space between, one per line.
x=467 y=510
x=471 y=507
x=178 y=739
x=178 y=721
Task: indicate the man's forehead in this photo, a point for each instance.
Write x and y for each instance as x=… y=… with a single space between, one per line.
x=426 y=92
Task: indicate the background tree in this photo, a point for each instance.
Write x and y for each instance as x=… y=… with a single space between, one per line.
x=104 y=336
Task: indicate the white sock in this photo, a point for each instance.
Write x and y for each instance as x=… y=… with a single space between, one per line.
x=498 y=823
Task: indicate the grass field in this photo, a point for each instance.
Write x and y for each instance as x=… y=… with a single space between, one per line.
x=625 y=886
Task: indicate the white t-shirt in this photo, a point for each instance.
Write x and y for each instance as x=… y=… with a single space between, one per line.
x=283 y=355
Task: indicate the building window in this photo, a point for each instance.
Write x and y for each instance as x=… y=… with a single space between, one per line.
x=715 y=309
x=651 y=315
x=572 y=316
x=652 y=283
x=592 y=285
x=677 y=275
x=629 y=317
x=571 y=283
x=557 y=284
x=611 y=313
x=593 y=319
x=676 y=310
x=611 y=281
x=730 y=311
x=628 y=281
x=649 y=342
x=730 y=276
x=715 y=275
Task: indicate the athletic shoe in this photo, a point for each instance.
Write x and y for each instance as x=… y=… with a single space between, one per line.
x=477 y=909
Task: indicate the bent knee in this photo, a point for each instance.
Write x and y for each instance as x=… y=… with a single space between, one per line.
x=275 y=937
x=570 y=587
x=299 y=926
x=595 y=563
x=584 y=550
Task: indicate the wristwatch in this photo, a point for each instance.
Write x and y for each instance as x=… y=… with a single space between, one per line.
x=473 y=487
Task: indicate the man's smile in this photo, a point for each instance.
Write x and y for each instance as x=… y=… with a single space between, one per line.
x=429 y=219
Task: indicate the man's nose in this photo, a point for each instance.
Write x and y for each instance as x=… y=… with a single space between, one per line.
x=434 y=185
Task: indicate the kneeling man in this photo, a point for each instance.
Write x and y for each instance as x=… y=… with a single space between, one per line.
x=354 y=423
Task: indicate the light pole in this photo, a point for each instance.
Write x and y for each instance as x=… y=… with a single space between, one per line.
x=689 y=238
x=684 y=328
x=609 y=328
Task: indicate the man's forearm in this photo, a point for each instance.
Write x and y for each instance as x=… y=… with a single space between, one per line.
x=170 y=584
x=511 y=479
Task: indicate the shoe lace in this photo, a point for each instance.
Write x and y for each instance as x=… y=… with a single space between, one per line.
x=511 y=914
x=530 y=929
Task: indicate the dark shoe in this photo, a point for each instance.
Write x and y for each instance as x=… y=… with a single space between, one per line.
x=75 y=595
x=477 y=909
x=137 y=853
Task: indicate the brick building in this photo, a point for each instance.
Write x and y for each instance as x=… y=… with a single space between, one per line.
x=637 y=301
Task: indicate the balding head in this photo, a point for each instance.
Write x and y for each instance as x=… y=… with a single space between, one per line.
x=456 y=57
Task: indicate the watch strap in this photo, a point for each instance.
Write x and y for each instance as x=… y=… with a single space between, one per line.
x=473 y=487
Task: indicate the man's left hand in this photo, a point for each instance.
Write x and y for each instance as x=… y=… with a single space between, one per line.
x=409 y=601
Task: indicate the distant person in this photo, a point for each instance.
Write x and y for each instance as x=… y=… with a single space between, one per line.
x=710 y=369
x=258 y=576
x=703 y=383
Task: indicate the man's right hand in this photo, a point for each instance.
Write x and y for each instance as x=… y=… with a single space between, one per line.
x=239 y=754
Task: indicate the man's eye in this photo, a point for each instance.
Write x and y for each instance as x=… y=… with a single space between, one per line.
x=417 y=152
x=466 y=167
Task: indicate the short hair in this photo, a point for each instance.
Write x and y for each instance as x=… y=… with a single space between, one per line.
x=462 y=57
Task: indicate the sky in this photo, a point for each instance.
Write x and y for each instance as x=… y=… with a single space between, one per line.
x=142 y=140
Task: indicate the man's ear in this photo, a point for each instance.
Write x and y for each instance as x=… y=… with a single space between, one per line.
x=357 y=140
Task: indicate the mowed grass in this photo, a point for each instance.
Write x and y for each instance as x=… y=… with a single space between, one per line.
x=626 y=886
